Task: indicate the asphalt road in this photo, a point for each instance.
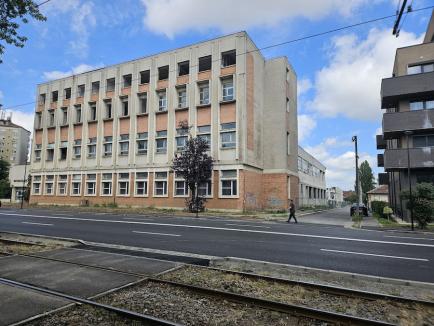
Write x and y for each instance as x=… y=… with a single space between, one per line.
x=396 y=255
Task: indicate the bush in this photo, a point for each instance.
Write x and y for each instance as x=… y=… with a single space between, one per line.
x=422 y=202
x=378 y=207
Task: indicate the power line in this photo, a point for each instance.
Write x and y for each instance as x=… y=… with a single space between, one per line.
x=42 y=3
x=259 y=49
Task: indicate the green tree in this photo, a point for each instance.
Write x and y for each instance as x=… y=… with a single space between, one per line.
x=5 y=189
x=366 y=179
x=11 y=12
x=4 y=169
x=422 y=202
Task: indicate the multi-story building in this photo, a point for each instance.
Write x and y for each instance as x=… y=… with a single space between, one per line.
x=14 y=141
x=312 y=187
x=408 y=132
x=110 y=135
x=335 y=196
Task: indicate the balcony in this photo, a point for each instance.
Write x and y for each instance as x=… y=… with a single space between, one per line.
x=420 y=158
x=404 y=87
x=394 y=124
x=381 y=142
x=380 y=160
x=383 y=178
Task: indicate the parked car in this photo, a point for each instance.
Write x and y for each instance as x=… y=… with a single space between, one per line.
x=362 y=209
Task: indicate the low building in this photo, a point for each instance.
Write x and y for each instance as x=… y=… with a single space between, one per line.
x=311 y=173
x=18 y=180
x=14 y=141
x=335 y=197
x=381 y=193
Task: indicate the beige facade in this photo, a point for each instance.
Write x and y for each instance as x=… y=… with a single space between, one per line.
x=14 y=142
x=110 y=135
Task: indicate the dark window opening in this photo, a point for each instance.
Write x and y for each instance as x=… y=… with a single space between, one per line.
x=144 y=77
x=54 y=96
x=205 y=63
x=229 y=58
x=67 y=93
x=95 y=87
x=63 y=152
x=163 y=73
x=127 y=79
x=183 y=68
x=110 y=85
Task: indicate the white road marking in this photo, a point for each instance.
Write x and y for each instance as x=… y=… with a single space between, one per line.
x=366 y=254
x=37 y=223
x=155 y=233
x=250 y=226
x=395 y=236
x=226 y=229
x=137 y=219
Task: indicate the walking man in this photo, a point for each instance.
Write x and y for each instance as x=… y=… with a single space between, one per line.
x=291 y=211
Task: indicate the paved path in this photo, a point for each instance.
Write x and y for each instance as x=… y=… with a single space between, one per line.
x=338 y=217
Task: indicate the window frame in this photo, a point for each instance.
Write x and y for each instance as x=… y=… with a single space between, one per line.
x=160 y=137
x=49 y=182
x=124 y=139
x=90 y=181
x=141 y=179
x=165 y=182
x=107 y=140
x=222 y=178
x=109 y=181
x=142 y=137
x=224 y=130
x=75 y=181
x=36 y=180
x=201 y=87
x=62 y=182
x=162 y=100
x=123 y=180
x=91 y=144
x=227 y=87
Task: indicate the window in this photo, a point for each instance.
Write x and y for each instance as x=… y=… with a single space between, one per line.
x=36 y=185
x=288 y=143
x=229 y=58
x=288 y=107
x=422 y=105
x=123 y=184
x=141 y=188
x=228 y=179
x=61 y=184
x=51 y=118
x=181 y=186
x=77 y=148
x=54 y=96
x=92 y=109
x=64 y=116
x=228 y=89
x=110 y=85
x=38 y=120
x=161 y=142
x=300 y=163
x=108 y=109
x=162 y=101
x=108 y=146
x=67 y=93
x=106 y=184
x=126 y=80
x=63 y=150
x=76 y=185
x=95 y=87
x=182 y=97
x=91 y=148
x=183 y=68
x=144 y=77
x=205 y=63
x=142 y=143
x=91 y=184
x=160 y=184
x=38 y=148
x=143 y=103
x=80 y=90
x=204 y=132
x=163 y=73
x=418 y=69
x=423 y=141
x=227 y=135
x=78 y=114
x=124 y=106
x=205 y=189
x=124 y=144
x=50 y=152
x=49 y=180
x=42 y=98
x=204 y=93
x=181 y=138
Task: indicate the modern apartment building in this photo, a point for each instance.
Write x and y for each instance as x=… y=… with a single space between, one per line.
x=312 y=187
x=110 y=135
x=14 y=141
x=408 y=133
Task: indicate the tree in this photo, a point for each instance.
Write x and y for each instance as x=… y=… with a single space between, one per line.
x=5 y=189
x=4 y=169
x=195 y=166
x=366 y=179
x=422 y=202
x=12 y=11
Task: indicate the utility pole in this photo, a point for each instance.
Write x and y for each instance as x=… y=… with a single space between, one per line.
x=408 y=133
x=398 y=19
x=354 y=139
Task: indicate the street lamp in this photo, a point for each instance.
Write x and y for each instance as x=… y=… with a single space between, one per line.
x=354 y=139
x=408 y=133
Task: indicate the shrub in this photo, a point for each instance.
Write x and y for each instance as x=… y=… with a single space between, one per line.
x=378 y=207
x=422 y=202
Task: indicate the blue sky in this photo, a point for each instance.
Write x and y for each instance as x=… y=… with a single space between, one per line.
x=339 y=74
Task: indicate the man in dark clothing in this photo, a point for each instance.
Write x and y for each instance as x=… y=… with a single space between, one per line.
x=292 y=211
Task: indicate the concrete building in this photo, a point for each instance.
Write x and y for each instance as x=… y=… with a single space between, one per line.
x=335 y=197
x=110 y=135
x=380 y=193
x=18 y=181
x=408 y=133
x=312 y=187
x=14 y=141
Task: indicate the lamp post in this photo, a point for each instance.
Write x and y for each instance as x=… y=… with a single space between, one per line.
x=408 y=133
x=24 y=178
x=354 y=139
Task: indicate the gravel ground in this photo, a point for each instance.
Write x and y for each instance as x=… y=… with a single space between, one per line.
x=394 y=312
x=22 y=244
x=188 y=308
x=329 y=278
x=18 y=248
x=84 y=315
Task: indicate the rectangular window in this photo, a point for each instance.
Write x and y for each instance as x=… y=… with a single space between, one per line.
x=141 y=188
x=422 y=105
x=227 y=89
x=160 y=183
x=76 y=185
x=205 y=189
x=288 y=143
x=229 y=58
x=49 y=188
x=77 y=148
x=38 y=120
x=36 y=184
x=142 y=143
x=67 y=93
x=54 y=96
x=124 y=144
x=61 y=184
x=95 y=87
x=91 y=184
x=181 y=187
x=204 y=132
x=181 y=138
x=123 y=184
x=228 y=135
x=144 y=77
x=182 y=97
x=418 y=69
x=50 y=152
x=108 y=146
x=161 y=141
x=77 y=113
x=228 y=182
x=423 y=141
x=38 y=149
x=63 y=150
x=183 y=68
x=205 y=63
x=80 y=90
x=51 y=118
x=204 y=93
x=124 y=106
x=162 y=101
x=163 y=73
x=91 y=148
x=110 y=85
x=143 y=103
x=92 y=111
x=126 y=80
x=41 y=99
x=108 y=109
x=106 y=184
x=64 y=116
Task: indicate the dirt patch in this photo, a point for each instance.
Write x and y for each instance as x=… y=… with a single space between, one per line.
x=383 y=310
x=21 y=244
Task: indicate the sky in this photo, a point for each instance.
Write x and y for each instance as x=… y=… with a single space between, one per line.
x=339 y=74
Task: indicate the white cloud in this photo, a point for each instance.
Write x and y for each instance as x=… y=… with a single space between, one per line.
x=83 y=19
x=170 y=17
x=350 y=84
x=303 y=86
x=306 y=124
x=23 y=119
x=56 y=74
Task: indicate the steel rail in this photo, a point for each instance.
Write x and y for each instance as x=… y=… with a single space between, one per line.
x=128 y=313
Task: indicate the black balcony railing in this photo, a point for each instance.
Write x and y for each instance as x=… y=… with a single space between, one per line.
x=394 y=124
x=420 y=158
